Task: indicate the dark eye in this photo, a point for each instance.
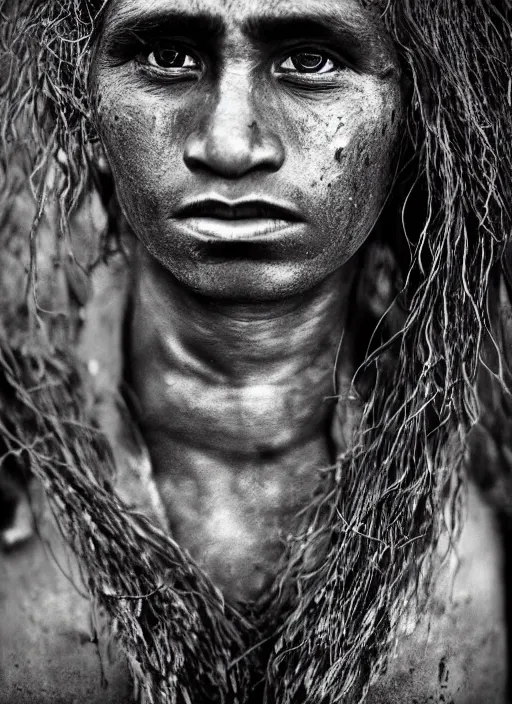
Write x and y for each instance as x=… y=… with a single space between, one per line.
x=305 y=61
x=171 y=57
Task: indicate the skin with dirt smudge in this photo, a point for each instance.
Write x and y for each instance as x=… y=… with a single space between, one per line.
x=234 y=336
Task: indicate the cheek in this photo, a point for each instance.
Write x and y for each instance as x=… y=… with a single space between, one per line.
x=353 y=170
x=136 y=136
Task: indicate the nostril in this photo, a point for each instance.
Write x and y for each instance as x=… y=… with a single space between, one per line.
x=227 y=158
x=231 y=152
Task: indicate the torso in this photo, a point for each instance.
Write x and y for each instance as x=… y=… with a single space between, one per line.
x=234 y=517
x=456 y=655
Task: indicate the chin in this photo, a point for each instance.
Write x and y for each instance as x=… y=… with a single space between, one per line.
x=245 y=281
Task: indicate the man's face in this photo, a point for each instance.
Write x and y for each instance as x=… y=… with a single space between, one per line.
x=251 y=141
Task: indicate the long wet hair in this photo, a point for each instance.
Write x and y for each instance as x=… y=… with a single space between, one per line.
x=375 y=520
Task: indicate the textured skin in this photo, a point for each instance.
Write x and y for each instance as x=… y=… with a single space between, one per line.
x=460 y=657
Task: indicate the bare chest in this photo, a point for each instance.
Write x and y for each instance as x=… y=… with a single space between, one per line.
x=234 y=468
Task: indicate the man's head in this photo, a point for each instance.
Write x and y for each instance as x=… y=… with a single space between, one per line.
x=217 y=108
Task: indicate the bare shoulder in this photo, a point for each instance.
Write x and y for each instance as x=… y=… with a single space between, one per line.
x=458 y=652
x=48 y=650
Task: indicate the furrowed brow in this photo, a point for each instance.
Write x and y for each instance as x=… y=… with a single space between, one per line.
x=126 y=29
x=318 y=26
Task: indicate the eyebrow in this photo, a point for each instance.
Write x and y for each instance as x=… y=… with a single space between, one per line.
x=127 y=29
x=287 y=27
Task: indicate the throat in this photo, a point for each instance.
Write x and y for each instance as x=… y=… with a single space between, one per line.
x=235 y=403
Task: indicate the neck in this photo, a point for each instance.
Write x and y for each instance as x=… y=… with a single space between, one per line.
x=235 y=402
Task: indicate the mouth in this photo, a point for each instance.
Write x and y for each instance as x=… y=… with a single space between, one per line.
x=236 y=220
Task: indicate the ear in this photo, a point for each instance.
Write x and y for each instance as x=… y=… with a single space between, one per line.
x=99 y=158
x=380 y=280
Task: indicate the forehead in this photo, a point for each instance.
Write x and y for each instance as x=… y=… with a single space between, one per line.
x=235 y=8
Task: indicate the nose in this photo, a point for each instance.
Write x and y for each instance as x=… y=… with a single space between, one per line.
x=233 y=139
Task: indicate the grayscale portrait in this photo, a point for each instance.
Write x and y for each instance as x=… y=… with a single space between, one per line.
x=255 y=348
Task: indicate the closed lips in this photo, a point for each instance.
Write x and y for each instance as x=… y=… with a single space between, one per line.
x=236 y=220
x=240 y=210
